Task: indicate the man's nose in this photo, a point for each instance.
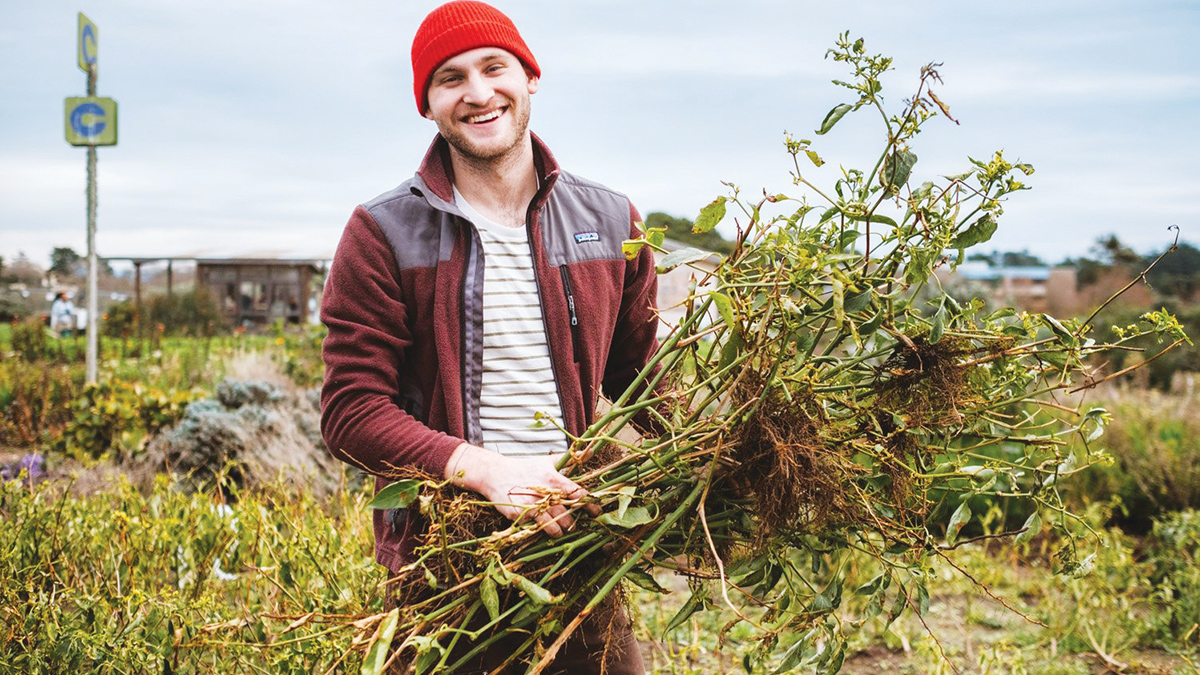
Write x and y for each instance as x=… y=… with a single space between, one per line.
x=479 y=90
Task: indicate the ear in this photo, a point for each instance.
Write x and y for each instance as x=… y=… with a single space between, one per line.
x=533 y=84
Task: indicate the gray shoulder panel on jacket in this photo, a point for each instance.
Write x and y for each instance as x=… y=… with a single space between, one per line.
x=419 y=234
x=583 y=221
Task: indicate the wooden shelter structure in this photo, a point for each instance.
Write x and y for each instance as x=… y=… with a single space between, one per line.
x=255 y=291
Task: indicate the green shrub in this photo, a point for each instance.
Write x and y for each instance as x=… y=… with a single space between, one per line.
x=119 y=582
x=193 y=313
x=119 y=418
x=1174 y=552
x=35 y=400
x=1154 y=440
x=1160 y=371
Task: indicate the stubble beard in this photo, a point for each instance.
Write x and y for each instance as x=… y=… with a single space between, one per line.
x=471 y=152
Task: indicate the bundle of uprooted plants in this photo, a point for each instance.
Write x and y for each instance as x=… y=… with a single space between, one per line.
x=822 y=394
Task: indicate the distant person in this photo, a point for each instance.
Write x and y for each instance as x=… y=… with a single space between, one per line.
x=488 y=288
x=62 y=315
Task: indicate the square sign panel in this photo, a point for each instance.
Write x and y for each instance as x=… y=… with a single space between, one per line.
x=91 y=120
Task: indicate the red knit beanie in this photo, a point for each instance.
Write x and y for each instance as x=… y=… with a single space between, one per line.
x=459 y=26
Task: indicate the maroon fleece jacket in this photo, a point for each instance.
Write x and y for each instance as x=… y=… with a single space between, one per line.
x=403 y=305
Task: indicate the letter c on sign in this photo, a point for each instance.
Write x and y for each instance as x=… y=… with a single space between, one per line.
x=94 y=125
x=89 y=44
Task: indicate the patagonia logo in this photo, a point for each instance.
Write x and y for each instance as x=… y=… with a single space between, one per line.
x=582 y=237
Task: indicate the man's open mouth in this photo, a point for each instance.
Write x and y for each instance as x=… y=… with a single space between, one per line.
x=485 y=117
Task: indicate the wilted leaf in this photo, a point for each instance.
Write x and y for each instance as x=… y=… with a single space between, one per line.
x=681 y=257
x=377 y=653
x=633 y=516
x=632 y=247
x=536 y=593
x=1032 y=527
x=960 y=518
x=709 y=216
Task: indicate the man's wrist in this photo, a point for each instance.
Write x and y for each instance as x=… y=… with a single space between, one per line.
x=461 y=459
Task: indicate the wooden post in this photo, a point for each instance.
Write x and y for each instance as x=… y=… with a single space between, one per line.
x=137 y=294
x=169 y=277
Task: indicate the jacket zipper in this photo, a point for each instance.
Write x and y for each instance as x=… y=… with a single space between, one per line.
x=537 y=279
x=566 y=279
x=462 y=311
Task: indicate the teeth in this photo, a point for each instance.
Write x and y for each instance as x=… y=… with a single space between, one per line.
x=487 y=117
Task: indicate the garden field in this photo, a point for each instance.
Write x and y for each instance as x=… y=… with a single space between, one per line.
x=123 y=553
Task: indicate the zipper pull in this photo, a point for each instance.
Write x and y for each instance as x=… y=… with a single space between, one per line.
x=566 y=279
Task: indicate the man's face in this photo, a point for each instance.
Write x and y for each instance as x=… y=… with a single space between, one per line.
x=480 y=102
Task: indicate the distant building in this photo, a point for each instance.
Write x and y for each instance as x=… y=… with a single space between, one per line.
x=254 y=291
x=1031 y=289
x=1055 y=290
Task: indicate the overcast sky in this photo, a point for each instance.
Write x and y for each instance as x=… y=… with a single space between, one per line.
x=256 y=126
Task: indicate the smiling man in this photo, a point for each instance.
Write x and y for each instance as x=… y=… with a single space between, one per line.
x=484 y=294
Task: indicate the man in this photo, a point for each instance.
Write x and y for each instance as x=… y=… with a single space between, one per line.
x=62 y=315
x=487 y=289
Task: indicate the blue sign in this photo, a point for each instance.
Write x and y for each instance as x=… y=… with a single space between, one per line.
x=91 y=120
x=87 y=120
x=89 y=44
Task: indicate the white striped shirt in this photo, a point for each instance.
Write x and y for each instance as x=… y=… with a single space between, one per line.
x=518 y=378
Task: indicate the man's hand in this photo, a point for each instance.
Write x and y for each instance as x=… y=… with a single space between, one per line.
x=520 y=487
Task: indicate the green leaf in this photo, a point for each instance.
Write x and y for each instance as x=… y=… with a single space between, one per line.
x=939 y=325
x=535 y=593
x=634 y=516
x=829 y=213
x=979 y=232
x=681 y=257
x=874 y=218
x=1067 y=337
x=793 y=656
x=1031 y=528
x=814 y=157
x=427 y=659
x=960 y=518
x=847 y=238
x=898 y=605
x=871 y=586
x=896 y=169
x=922 y=598
x=838 y=112
x=489 y=596
x=396 y=495
x=697 y=602
x=644 y=579
x=709 y=216
x=839 y=658
x=857 y=302
x=632 y=247
x=656 y=236
x=377 y=653
x=725 y=308
x=730 y=351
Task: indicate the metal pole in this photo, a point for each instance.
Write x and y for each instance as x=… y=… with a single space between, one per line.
x=93 y=304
